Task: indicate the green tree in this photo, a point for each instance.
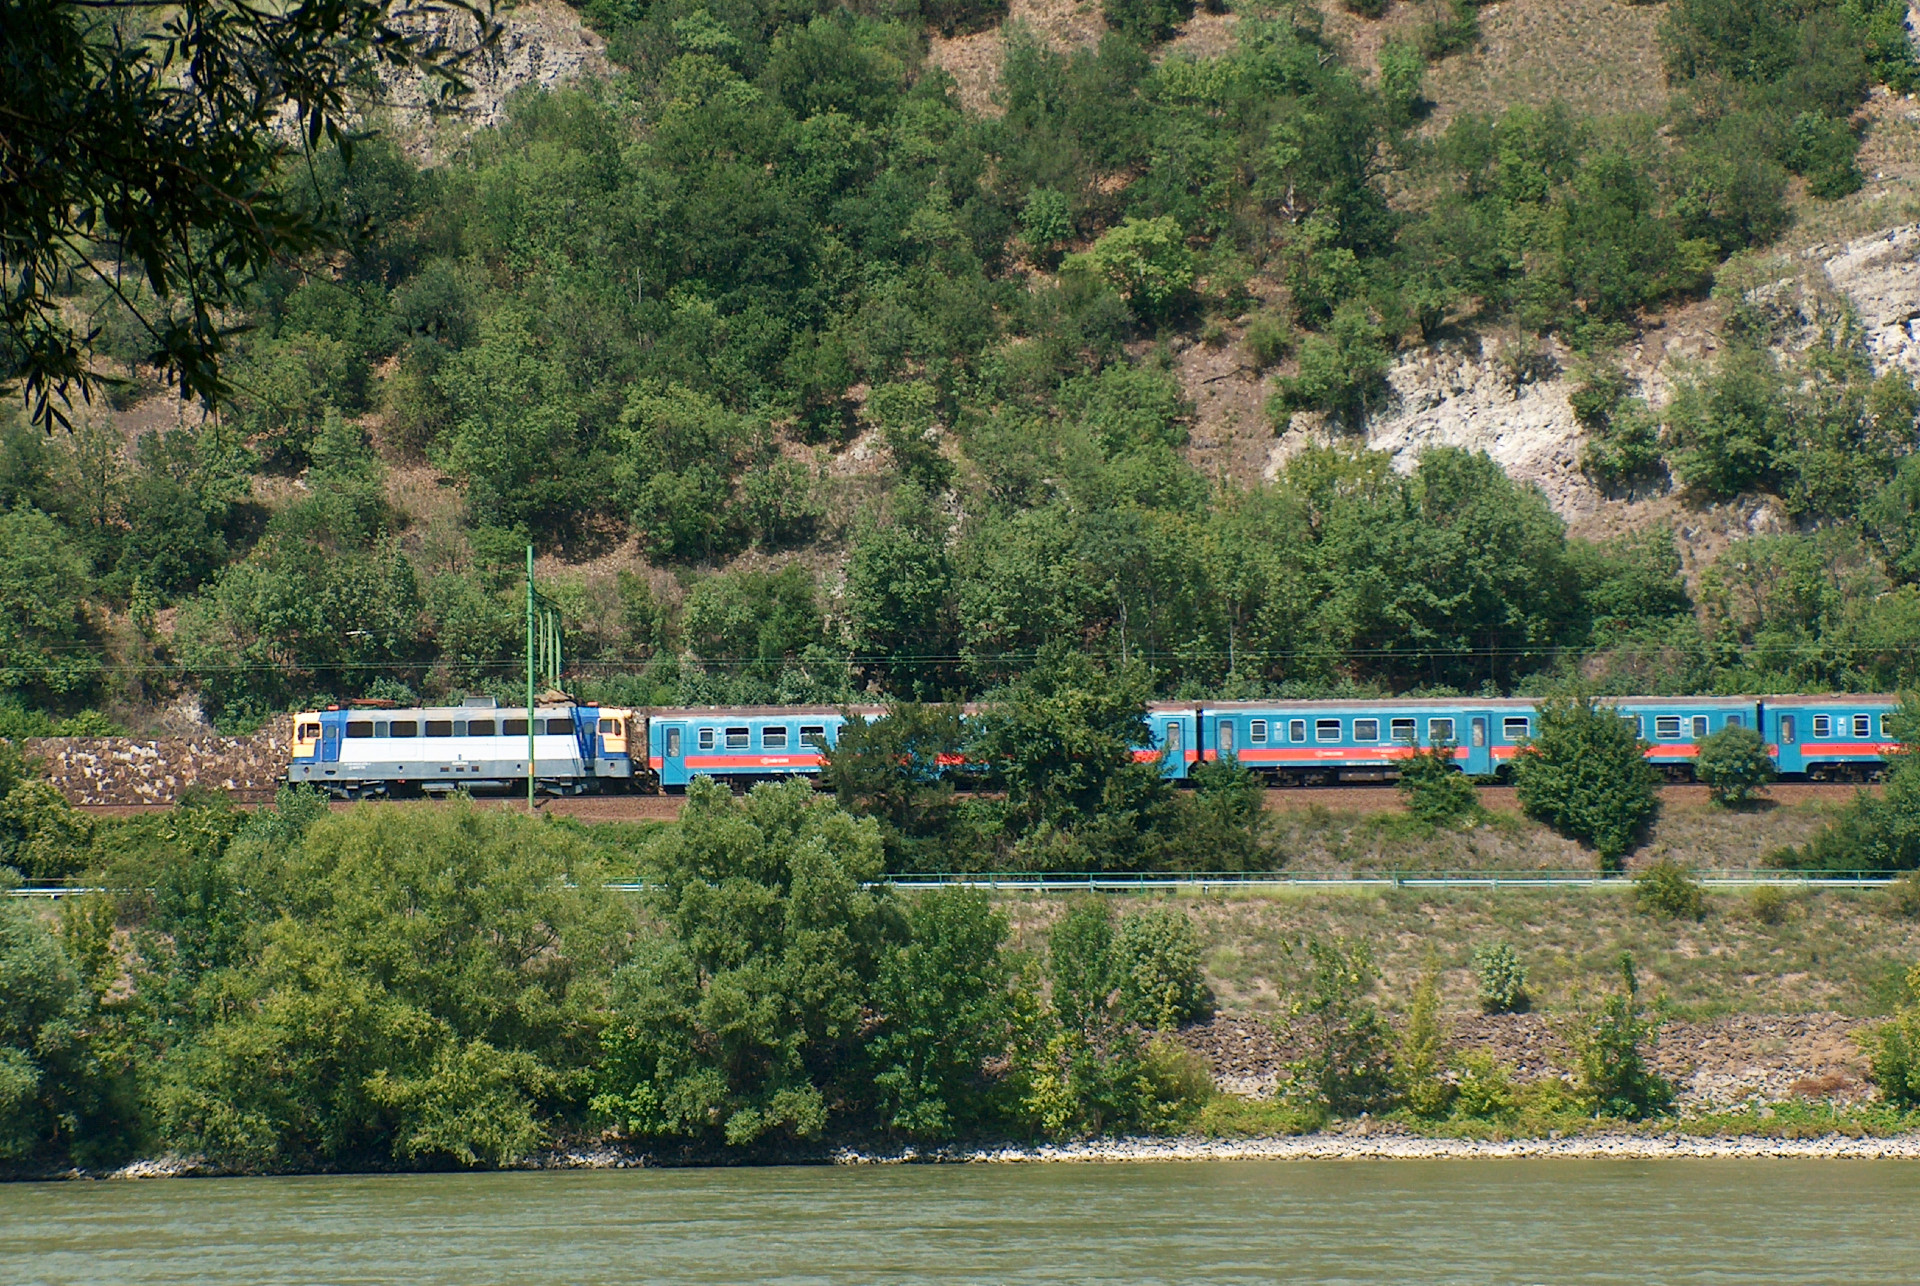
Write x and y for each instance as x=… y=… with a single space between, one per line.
x=1419 y=1064
x=1145 y=260
x=1585 y=774
x=1347 y=1063
x=158 y=148
x=414 y=986
x=1611 y=1042
x=898 y=770
x=45 y=636
x=1435 y=790
x=744 y=1016
x=946 y=1004
x=1734 y=764
x=1061 y=741
x=1158 y=978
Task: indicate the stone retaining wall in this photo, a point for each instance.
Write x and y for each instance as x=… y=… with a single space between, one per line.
x=132 y=770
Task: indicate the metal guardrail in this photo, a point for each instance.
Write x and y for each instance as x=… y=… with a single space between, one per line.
x=1223 y=881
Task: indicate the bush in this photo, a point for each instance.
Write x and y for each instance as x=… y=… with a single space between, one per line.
x=1733 y=765
x=1893 y=1049
x=1902 y=897
x=1502 y=978
x=1156 y=968
x=1348 y=1065
x=1147 y=21
x=1587 y=777
x=1483 y=1088
x=1145 y=260
x=1610 y=1044
x=1666 y=890
x=1269 y=340
x=1768 y=904
x=1343 y=371
x=1418 y=1068
x=1876 y=832
x=1434 y=790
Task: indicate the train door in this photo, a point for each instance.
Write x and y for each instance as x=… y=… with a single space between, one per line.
x=1787 y=753
x=329 y=743
x=1479 y=753
x=672 y=763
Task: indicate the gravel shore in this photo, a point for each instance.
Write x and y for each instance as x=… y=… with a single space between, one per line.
x=1353 y=1147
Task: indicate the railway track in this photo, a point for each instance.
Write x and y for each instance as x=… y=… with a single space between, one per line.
x=1351 y=799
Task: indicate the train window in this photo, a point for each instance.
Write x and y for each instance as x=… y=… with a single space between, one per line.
x=1514 y=727
x=1822 y=725
x=1366 y=730
x=1666 y=725
x=1735 y=721
x=1402 y=731
x=1226 y=738
x=480 y=728
x=439 y=727
x=308 y=732
x=706 y=738
x=559 y=727
x=1632 y=721
x=610 y=726
x=406 y=728
x=513 y=727
x=773 y=738
x=1326 y=730
x=813 y=734
x=1297 y=730
x=1257 y=732
x=737 y=738
x=360 y=728
x=1699 y=726
x=1789 y=729
x=1479 y=733
x=1173 y=739
x=1863 y=725
x=673 y=743
x=1439 y=730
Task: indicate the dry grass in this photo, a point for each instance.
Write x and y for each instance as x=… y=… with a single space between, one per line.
x=1313 y=838
x=1599 y=57
x=1832 y=950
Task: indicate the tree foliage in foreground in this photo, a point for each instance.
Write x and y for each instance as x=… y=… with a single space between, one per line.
x=1585 y=774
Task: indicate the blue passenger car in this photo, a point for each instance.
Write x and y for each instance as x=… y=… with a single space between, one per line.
x=1673 y=727
x=743 y=743
x=1830 y=738
x=1175 y=739
x=1320 y=742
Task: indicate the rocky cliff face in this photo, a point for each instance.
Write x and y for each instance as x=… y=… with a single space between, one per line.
x=543 y=44
x=1508 y=396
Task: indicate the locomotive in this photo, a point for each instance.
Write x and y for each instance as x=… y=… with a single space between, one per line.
x=375 y=750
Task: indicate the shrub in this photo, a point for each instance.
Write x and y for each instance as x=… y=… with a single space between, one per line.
x=1767 y=904
x=1502 y=978
x=1586 y=776
x=1434 y=790
x=1146 y=260
x=1343 y=371
x=1347 y=1067
x=1269 y=340
x=1417 y=1065
x=1902 y=897
x=1483 y=1088
x=1893 y=1049
x=1147 y=21
x=1046 y=221
x=1156 y=966
x=1610 y=1044
x=1667 y=890
x=1734 y=765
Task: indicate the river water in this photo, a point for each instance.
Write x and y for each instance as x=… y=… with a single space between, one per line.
x=1487 y=1223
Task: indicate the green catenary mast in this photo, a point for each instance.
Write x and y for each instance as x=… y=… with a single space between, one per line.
x=543 y=660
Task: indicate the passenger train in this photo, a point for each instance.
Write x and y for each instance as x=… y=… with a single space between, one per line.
x=367 y=750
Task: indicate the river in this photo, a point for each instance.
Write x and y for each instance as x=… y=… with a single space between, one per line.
x=1488 y=1223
